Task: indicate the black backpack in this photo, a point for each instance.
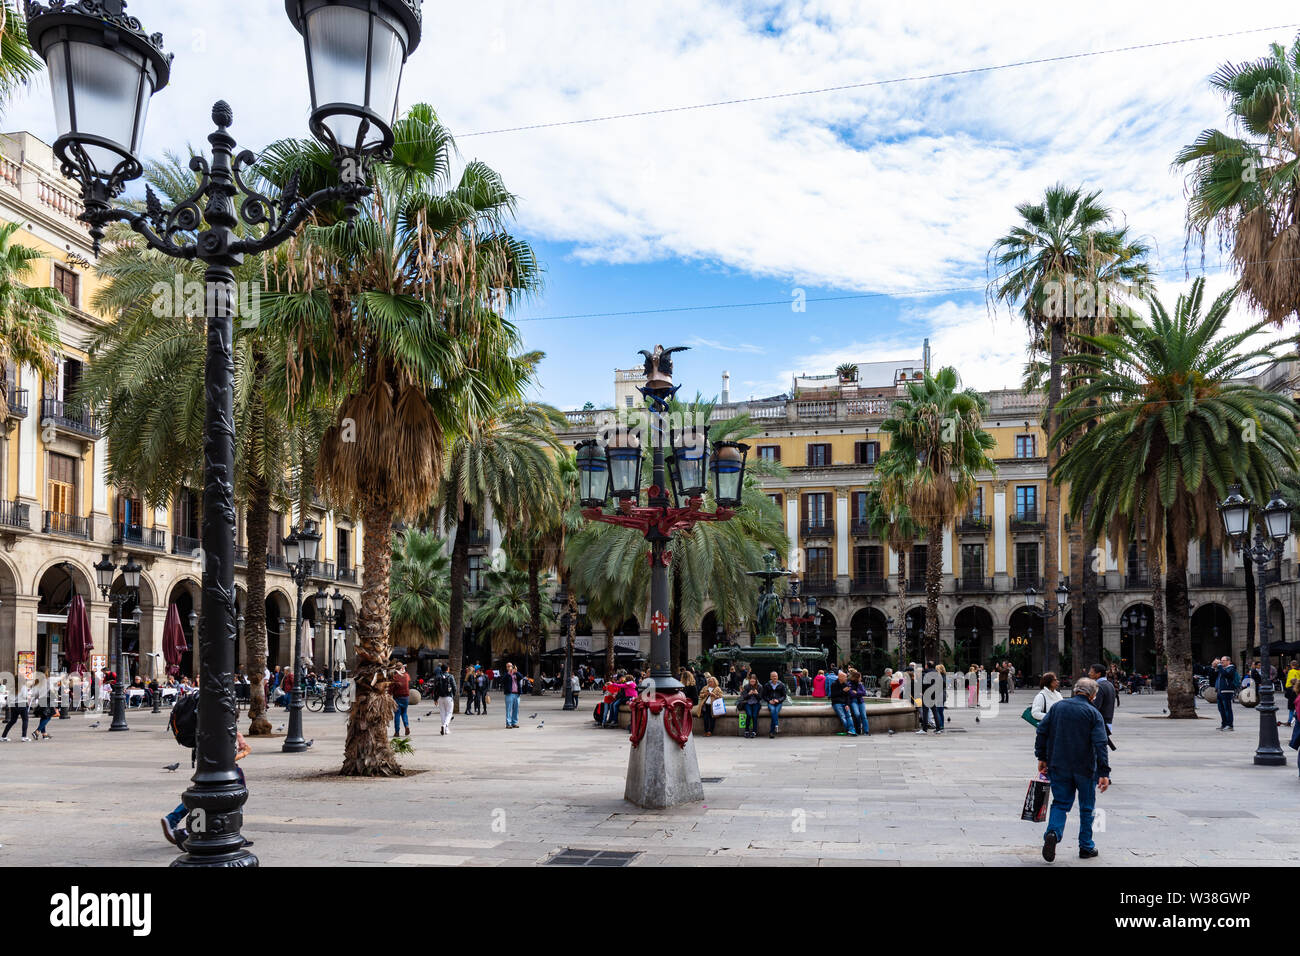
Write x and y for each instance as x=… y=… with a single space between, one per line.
x=443 y=686
x=184 y=721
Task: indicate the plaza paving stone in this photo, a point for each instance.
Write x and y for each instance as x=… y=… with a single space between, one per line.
x=1183 y=794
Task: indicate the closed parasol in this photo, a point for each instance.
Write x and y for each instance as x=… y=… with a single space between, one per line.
x=79 y=643
x=174 y=645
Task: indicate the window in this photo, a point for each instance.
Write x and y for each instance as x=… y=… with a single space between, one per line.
x=819 y=456
x=186 y=522
x=1027 y=502
x=866 y=452
x=343 y=548
x=859 y=507
x=1026 y=446
x=769 y=452
x=129 y=514
x=868 y=563
x=972 y=562
x=814 y=510
x=977 y=504
x=67 y=282
x=1027 y=560
x=275 y=534
x=819 y=564
x=61 y=484
x=628 y=399
x=920 y=558
x=778 y=500
x=475 y=576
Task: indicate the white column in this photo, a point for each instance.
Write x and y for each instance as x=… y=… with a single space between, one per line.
x=893 y=560
x=792 y=530
x=1000 y=532
x=494 y=533
x=947 y=551
x=1109 y=555
x=100 y=500
x=27 y=446
x=841 y=534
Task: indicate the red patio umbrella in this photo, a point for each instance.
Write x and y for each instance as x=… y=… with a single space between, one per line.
x=79 y=643
x=173 y=641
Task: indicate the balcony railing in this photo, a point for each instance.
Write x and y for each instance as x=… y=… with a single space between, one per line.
x=323 y=570
x=916 y=585
x=822 y=528
x=134 y=535
x=1140 y=578
x=241 y=557
x=17 y=399
x=348 y=574
x=974 y=584
x=815 y=411
x=275 y=562
x=861 y=528
x=74 y=526
x=974 y=524
x=1026 y=520
x=184 y=544
x=869 y=584
x=1271 y=576
x=478 y=537
x=819 y=584
x=1209 y=579
x=14 y=514
x=70 y=417
x=1021 y=583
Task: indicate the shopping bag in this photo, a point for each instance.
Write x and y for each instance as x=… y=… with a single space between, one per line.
x=1035 y=808
x=1028 y=714
x=719 y=707
x=741 y=720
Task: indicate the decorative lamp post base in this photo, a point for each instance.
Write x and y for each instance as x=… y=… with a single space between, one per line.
x=661 y=772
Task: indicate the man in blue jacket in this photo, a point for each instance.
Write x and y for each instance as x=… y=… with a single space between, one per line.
x=1071 y=750
x=1226 y=684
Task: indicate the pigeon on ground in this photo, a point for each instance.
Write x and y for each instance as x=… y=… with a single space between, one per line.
x=94 y=725
x=172 y=767
x=281 y=727
x=310 y=742
x=429 y=714
x=541 y=725
x=534 y=717
x=891 y=733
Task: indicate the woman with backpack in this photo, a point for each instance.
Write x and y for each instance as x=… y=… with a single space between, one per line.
x=1047 y=696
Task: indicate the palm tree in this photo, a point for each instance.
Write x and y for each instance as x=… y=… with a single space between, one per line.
x=29 y=333
x=502 y=461
x=397 y=315
x=420 y=587
x=1066 y=269
x=937 y=444
x=1179 y=426
x=18 y=63
x=147 y=377
x=504 y=611
x=888 y=520
x=1247 y=186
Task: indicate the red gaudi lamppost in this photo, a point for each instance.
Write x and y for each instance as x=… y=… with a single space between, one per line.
x=662 y=768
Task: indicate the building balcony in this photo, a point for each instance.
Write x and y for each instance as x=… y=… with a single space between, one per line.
x=1208 y=579
x=1137 y=579
x=241 y=557
x=323 y=570
x=969 y=585
x=72 y=526
x=1021 y=583
x=974 y=524
x=1271 y=576
x=275 y=562
x=860 y=528
x=916 y=585
x=869 y=584
x=823 y=528
x=136 y=536
x=70 y=417
x=348 y=574
x=15 y=514
x=817 y=584
x=479 y=537
x=184 y=544
x=17 y=399
x=1027 y=520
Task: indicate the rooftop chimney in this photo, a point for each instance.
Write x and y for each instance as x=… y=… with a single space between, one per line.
x=726 y=388
x=925 y=354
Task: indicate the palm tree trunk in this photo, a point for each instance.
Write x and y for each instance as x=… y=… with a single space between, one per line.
x=1178 y=640
x=257 y=525
x=534 y=613
x=1080 y=559
x=366 y=751
x=1052 y=505
x=609 y=648
x=933 y=588
x=901 y=620
x=1091 y=619
x=675 y=625
x=456 y=601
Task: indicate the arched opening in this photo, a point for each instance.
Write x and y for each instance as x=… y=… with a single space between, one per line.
x=1211 y=633
x=277 y=629
x=1276 y=622
x=184 y=600
x=8 y=618
x=972 y=637
x=708 y=631
x=54 y=597
x=1137 y=643
x=869 y=640
x=914 y=641
x=828 y=636
x=1025 y=644
x=137 y=638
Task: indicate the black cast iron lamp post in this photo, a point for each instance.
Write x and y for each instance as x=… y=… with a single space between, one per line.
x=333 y=612
x=1271 y=532
x=104 y=67
x=104 y=571
x=300 y=555
x=690 y=459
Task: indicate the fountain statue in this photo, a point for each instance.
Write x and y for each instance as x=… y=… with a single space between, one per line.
x=767 y=648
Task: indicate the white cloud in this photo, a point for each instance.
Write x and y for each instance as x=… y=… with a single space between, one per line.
x=747 y=347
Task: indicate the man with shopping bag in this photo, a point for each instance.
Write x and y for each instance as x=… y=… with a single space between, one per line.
x=1071 y=750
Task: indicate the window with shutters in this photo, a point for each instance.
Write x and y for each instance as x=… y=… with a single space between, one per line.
x=1026 y=446
x=819 y=565
x=815 y=515
x=769 y=452
x=977 y=504
x=866 y=452
x=187 y=521
x=778 y=500
x=1027 y=502
x=972 y=563
x=343 y=548
x=819 y=455
x=868 y=563
x=130 y=514
x=69 y=283
x=1027 y=562
x=475 y=574
x=275 y=535
x=61 y=484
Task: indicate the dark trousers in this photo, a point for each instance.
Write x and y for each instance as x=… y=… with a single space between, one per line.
x=16 y=714
x=1004 y=689
x=480 y=700
x=706 y=713
x=1225 y=708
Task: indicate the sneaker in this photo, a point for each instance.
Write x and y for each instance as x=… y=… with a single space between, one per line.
x=443 y=731
x=1049 y=846
x=938 y=731
x=4 y=740
x=169 y=832
x=920 y=731
x=1229 y=728
x=771 y=735
x=1087 y=854
x=25 y=739
x=182 y=837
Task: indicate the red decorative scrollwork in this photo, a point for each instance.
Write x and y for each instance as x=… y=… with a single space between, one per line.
x=675 y=707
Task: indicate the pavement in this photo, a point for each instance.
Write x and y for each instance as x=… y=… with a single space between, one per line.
x=1183 y=794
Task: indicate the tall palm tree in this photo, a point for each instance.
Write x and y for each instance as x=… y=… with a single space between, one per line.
x=29 y=332
x=420 y=588
x=937 y=444
x=1065 y=268
x=1177 y=427
x=1245 y=183
x=501 y=460
x=890 y=521
x=504 y=611
x=147 y=378
x=398 y=316
x=18 y=63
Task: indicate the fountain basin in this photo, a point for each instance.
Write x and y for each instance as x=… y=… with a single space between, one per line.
x=809 y=719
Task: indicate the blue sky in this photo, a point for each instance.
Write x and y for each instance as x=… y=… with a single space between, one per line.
x=899 y=187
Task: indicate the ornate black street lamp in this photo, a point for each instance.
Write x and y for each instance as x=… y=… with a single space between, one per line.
x=104 y=572
x=103 y=68
x=329 y=608
x=568 y=608
x=300 y=558
x=690 y=459
x=1272 y=529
